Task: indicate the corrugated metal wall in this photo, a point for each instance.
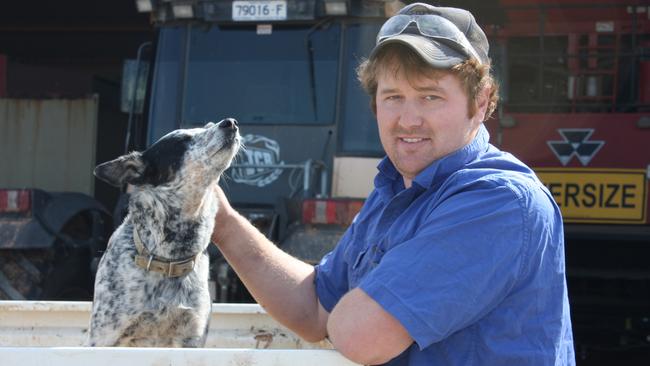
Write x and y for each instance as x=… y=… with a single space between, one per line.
x=48 y=144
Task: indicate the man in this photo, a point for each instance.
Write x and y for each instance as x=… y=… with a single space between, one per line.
x=457 y=256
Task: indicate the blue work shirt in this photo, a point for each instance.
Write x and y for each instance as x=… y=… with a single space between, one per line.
x=469 y=259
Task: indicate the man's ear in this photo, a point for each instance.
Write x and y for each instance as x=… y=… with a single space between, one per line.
x=482 y=103
x=125 y=169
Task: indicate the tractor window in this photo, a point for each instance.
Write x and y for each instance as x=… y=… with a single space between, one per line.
x=166 y=81
x=538 y=81
x=576 y=73
x=359 y=134
x=285 y=77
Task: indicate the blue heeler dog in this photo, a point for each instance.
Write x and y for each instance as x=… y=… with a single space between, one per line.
x=151 y=288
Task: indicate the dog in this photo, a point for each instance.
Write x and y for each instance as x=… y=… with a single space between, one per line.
x=151 y=287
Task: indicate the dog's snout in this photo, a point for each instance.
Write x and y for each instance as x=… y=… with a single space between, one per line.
x=228 y=123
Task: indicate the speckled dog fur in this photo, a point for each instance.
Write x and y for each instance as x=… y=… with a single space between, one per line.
x=172 y=207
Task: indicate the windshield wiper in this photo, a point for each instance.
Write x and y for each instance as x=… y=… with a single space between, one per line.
x=310 y=58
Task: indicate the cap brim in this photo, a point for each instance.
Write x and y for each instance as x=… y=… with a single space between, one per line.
x=435 y=53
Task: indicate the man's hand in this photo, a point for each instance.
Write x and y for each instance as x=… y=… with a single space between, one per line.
x=224 y=213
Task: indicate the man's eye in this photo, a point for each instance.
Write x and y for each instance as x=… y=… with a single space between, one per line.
x=393 y=97
x=431 y=97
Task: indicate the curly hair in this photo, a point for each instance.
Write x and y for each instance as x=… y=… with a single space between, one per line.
x=473 y=76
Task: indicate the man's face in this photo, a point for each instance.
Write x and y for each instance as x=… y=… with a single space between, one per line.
x=422 y=120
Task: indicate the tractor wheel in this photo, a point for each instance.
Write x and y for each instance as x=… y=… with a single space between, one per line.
x=23 y=272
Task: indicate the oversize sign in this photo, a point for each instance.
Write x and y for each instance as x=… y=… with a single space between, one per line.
x=598 y=195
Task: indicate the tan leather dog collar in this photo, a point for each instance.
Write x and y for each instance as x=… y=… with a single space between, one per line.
x=168 y=268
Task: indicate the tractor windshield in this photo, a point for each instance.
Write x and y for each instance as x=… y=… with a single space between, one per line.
x=301 y=75
x=280 y=75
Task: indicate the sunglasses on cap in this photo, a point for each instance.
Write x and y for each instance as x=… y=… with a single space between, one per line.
x=431 y=26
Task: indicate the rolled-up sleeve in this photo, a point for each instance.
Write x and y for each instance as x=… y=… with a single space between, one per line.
x=459 y=265
x=332 y=273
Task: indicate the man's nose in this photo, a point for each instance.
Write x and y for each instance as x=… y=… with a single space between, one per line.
x=411 y=115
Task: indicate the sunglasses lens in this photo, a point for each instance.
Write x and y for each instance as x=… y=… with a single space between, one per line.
x=433 y=26
x=394 y=26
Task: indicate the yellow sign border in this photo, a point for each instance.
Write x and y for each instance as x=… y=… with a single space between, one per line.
x=644 y=208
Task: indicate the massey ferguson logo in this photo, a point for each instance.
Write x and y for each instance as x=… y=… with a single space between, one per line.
x=258 y=151
x=576 y=143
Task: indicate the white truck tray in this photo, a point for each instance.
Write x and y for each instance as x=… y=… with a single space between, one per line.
x=53 y=333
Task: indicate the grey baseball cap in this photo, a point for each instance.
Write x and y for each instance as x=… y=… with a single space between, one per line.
x=442 y=36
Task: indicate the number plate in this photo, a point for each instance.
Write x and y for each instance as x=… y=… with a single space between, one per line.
x=259 y=10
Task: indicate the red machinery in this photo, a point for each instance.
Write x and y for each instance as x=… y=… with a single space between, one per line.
x=576 y=87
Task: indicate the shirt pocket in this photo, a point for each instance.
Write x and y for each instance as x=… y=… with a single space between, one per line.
x=363 y=263
x=355 y=267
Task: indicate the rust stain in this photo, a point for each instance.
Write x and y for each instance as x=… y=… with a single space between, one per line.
x=264 y=339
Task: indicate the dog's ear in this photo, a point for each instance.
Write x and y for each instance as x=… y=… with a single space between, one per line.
x=125 y=169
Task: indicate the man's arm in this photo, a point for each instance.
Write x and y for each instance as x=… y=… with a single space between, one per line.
x=358 y=327
x=364 y=332
x=282 y=284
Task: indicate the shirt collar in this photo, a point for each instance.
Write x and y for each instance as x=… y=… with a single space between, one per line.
x=389 y=178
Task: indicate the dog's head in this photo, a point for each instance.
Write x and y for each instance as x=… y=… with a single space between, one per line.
x=180 y=156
